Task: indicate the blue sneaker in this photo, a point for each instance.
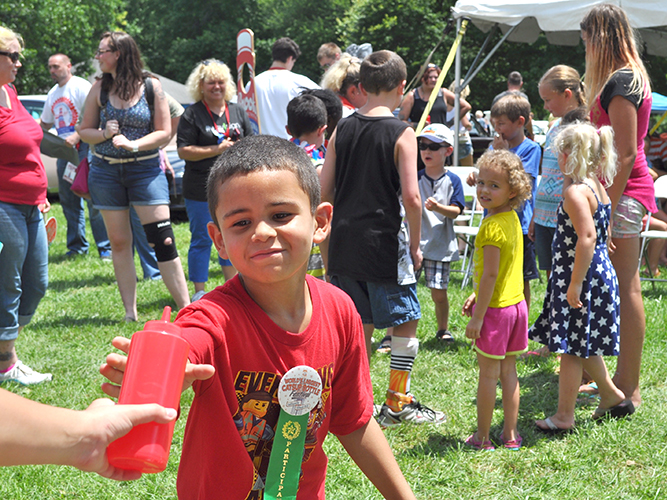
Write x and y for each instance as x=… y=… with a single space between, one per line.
x=105 y=255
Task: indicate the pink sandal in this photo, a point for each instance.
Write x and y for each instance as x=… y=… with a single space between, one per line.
x=479 y=445
x=512 y=444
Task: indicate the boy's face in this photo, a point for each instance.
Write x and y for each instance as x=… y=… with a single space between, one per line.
x=508 y=129
x=266 y=226
x=434 y=158
x=493 y=189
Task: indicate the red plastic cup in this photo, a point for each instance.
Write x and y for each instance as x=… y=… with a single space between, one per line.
x=154 y=374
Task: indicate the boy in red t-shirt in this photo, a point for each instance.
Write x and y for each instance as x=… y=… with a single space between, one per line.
x=264 y=197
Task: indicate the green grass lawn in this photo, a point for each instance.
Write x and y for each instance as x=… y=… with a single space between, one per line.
x=71 y=333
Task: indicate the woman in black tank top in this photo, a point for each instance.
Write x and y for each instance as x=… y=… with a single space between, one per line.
x=414 y=102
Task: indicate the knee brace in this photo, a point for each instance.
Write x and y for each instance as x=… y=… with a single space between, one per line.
x=157 y=233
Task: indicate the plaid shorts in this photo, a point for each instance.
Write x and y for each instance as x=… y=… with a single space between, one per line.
x=436 y=274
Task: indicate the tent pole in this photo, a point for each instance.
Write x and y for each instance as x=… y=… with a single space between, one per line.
x=471 y=74
x=481 y=50
x=457 y=99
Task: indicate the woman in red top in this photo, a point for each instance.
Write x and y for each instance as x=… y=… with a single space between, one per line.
x=620 y=96
x=24 y=252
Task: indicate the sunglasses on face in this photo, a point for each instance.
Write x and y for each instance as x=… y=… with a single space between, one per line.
x=99 y=52
x=431 y=147
x=14 y=56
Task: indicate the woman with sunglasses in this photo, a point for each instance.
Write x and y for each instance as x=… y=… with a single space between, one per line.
x=207 y=128
x=126 y=131
x=23 y=248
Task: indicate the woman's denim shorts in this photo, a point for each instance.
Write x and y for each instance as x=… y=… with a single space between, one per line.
x=119 y=185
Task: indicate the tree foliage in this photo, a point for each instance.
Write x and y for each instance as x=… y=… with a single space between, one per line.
x=192 y=30
x=49 y=26
x=175 y=36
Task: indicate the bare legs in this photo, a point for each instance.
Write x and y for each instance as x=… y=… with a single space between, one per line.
x=119 y=230
x=120 y=235
x=441 y=302
x=633 y=320
x=490 y=371
x=571 y=369
x=228 y=272
x=7 y=353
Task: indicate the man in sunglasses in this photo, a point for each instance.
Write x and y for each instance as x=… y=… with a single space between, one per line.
x=62 y=109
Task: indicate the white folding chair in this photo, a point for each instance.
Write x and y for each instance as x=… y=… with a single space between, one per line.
x=647 y=235
x=473 y=218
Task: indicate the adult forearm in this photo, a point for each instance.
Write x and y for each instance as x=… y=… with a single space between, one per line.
x=33 y=433
x=154 y=140
x=197 y=153
x=625 y=165
x=93 y=135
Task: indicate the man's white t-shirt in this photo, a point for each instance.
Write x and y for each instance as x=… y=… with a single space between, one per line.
x=275 y=89
x=64 y=105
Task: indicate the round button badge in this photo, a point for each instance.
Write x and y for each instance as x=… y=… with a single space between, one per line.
x=300 y=390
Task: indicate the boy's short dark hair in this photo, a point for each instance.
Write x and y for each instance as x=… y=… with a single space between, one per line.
x=305 y=114
x=332 y=103
x=512 y=105
x=382 y=71
x=515 y=79
x=263 y=152
x=284 y=48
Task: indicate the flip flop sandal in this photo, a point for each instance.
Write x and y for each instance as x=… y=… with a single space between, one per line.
x=445 y=336
x=385 y=345
x=591 y=388
x=511 y=444
x=552 y=428
x=622 y=409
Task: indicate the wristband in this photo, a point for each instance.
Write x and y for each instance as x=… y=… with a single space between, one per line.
x=135 y=148
x=104 y=134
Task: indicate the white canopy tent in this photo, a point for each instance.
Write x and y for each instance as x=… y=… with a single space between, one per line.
x=524 y=20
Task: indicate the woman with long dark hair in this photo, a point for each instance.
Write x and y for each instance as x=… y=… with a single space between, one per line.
x=126 y=120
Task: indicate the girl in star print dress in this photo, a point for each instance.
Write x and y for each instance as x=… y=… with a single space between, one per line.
x=580 y=318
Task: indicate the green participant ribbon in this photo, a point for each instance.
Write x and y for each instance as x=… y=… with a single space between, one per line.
x=299 y=392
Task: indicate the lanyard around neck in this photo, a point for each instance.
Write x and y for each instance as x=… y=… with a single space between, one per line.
x=213 y=119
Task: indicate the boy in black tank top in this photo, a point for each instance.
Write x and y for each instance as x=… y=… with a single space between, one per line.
x=370 y=175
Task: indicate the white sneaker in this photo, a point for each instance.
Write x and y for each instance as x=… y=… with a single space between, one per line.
x=24 y=375
x=198 y=295
x=413 y=413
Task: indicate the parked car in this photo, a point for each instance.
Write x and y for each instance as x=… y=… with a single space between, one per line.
x=35 y=104
x=481 y=138
x=540 y=128
x=176 y=201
